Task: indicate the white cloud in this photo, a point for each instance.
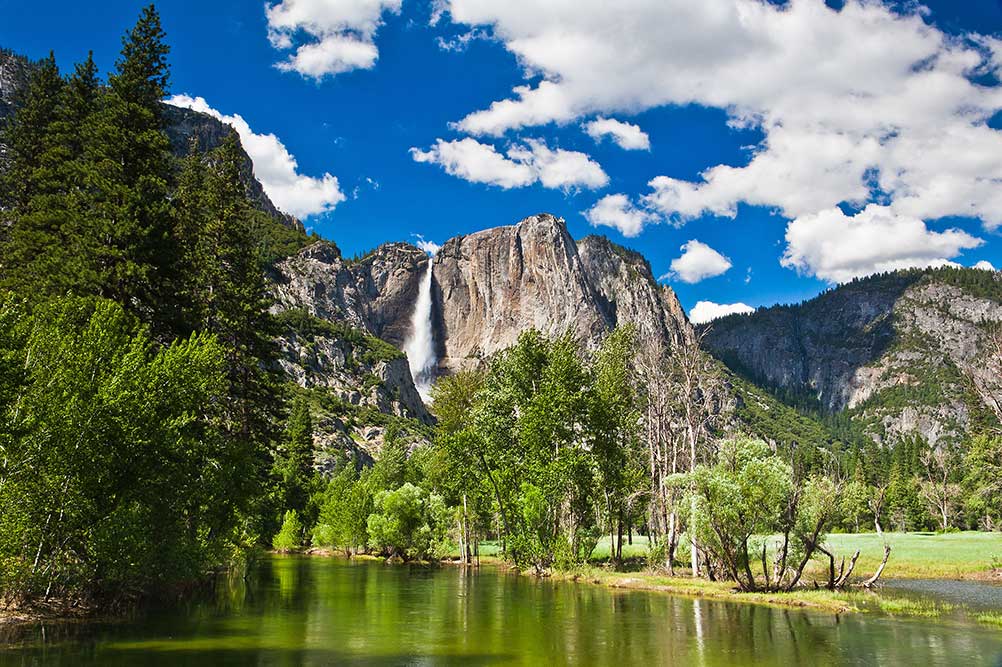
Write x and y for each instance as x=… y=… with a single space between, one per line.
x=339 y=34
x=835 y=247
x=626 y=135
x=461 y=42
x=698 y=262
x=705 y=311
x=885 y=111
x=275 y=167
x=476 y=162
x=984 y=265
x=619 y=212
x=560 y=169
x=429 y=247
x=523 y=165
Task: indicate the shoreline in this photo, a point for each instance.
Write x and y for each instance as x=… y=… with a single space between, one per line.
x=853 y=600
x=835 y=602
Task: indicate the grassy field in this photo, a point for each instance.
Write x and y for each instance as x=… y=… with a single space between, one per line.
x=913 y=555
x=925 y=555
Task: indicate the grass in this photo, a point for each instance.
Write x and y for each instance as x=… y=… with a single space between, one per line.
x=966 y=555
x=990 y=618
x=911 y=607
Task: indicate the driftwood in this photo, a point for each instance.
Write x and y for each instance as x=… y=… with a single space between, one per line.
x=876 y=575
x=844 y=577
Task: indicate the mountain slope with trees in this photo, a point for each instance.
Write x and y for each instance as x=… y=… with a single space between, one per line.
x=901 y=354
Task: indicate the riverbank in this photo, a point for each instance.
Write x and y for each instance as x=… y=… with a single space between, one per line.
x=837 y=602
x=56 y=610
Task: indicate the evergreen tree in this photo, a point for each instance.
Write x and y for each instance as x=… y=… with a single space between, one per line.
x=25 y=134
x=225 y=294
x=136 y=255
x=294 y=464
x=49 y=245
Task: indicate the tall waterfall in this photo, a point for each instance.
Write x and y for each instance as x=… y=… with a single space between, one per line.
x=420 y=346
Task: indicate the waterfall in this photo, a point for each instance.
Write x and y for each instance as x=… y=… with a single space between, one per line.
x=420 y=346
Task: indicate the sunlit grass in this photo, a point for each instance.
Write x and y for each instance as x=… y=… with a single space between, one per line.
x=922 y=555
x=911 y=607
x=990 y=618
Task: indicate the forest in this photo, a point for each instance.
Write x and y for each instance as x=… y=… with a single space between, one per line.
x=149 y=439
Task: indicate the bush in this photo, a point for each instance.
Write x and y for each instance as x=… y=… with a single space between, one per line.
x=290 y=537
x=409 y=523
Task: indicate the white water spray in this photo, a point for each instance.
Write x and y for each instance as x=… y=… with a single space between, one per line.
x=420 y=346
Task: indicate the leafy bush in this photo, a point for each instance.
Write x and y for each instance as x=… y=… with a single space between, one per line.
x=290 y=537
x=409 y=523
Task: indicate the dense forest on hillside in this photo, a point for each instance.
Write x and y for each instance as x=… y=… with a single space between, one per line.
x=149 y=437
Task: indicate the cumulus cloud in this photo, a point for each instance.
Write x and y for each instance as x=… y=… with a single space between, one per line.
x=698 y=262
x=705 y=311
x=328 y=36
x=476 y=162
x=984 y=265
x=275 y=167
x=886 y=111
x=626 y=135
x=522 y=165
x=619 y=212
x=836 y=247
x=429 y=247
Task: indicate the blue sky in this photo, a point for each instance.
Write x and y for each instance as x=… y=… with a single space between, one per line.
x=847 y=139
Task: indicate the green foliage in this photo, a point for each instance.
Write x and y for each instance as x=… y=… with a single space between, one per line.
x=363 y=346
x=983 y=481
x=293 y=466
x=290 y=537
x=115 y=476
x=140 y=411
x=409 y=523
x=275 y=240
x=749 y=492
x=345 y=506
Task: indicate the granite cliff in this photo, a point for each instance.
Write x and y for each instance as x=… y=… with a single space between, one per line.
x=487 y=288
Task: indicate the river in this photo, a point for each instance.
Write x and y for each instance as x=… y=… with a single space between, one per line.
x=326 y=611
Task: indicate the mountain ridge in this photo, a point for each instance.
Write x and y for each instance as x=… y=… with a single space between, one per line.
x=898 y=352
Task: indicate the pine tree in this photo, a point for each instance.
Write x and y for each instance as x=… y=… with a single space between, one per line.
x=225 y=291
x=130 y=178
x=25 y=134
x=294 y=465
x=48 y=247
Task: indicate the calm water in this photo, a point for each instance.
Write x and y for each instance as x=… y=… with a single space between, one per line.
x=302 y=611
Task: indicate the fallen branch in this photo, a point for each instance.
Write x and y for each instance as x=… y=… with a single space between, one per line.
x=876 y=575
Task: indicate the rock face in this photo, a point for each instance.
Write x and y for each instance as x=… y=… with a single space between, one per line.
x=367 y=299
x=183 y=125
x=492 y=285
x=896 y=351
x=487 y=288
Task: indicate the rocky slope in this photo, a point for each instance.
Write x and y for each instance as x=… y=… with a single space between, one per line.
x=492 y=285
x=897 y=352
x=487 y=288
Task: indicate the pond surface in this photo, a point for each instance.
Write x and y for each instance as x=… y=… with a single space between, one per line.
x=973 y=595
x=318 y=611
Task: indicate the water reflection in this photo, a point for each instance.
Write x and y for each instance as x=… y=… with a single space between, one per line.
x=301 y=611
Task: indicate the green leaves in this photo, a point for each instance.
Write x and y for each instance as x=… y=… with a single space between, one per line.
x=409 y=522
x=113 y=470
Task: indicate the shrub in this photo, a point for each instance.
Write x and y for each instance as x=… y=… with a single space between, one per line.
x=290 y=537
